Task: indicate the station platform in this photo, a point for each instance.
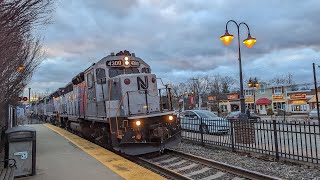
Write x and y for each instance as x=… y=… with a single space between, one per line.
x=63 y=155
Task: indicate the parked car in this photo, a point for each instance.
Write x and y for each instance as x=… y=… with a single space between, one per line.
x=207 y=121
x=313 y=113
x=236 y=114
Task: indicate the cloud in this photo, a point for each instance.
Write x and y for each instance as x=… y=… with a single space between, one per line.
x=180 y=39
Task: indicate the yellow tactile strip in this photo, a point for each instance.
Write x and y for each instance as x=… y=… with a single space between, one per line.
x=116 y=163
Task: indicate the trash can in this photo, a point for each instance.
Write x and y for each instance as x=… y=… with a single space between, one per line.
x=21 y=146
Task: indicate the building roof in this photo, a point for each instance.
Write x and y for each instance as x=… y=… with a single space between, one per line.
x=262 y=101
x=313 y=99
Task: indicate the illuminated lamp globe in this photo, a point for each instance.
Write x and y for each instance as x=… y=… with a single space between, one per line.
x=20 y=68
x=249 y=42
x=226 y=38
x=138 y=123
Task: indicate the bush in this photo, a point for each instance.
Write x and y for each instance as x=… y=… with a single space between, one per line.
x=269 y=111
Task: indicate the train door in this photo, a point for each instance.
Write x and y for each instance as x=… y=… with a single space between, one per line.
x=91 y=109
x=101 y=91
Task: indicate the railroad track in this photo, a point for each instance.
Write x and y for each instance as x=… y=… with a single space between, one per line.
x=178 y=165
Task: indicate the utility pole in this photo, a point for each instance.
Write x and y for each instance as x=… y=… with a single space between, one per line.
x=29 y=96
x=196 y=88
x=316 y=89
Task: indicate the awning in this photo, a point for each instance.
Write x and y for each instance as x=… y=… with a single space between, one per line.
x=263 y=101
x=313 y=99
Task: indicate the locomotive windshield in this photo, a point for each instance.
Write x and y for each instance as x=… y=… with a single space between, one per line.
x=118 y=71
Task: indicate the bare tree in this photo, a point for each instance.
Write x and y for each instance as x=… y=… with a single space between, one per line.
x=20 y=50
x=218 y=86
x=285 y=80
x=199 y=85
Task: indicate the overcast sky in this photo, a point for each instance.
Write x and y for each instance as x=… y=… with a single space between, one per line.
x=180 y=39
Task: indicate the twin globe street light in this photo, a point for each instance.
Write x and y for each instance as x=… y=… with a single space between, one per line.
x=249 y=42
x=253 y=83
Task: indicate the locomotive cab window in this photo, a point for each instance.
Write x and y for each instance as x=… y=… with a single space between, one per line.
x=101 y=76
x=118 y=71
x=145 y=70
x=90 y=80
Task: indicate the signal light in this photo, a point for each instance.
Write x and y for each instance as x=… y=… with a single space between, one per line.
x=22 y=99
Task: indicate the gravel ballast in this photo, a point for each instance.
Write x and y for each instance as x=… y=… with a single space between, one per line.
x=277 y=169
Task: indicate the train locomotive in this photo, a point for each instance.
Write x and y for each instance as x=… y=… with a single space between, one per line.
x=116 y=104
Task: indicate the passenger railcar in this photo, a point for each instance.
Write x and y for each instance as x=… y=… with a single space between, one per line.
x=116 y=103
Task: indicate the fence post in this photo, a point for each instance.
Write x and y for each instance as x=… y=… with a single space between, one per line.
x=232 y=135
x=201 y=131
x=276 y=145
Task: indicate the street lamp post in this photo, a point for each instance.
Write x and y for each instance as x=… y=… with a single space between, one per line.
x=249 y=42
x=254 y=83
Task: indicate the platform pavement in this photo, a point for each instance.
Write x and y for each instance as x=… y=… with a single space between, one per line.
x=62 y=155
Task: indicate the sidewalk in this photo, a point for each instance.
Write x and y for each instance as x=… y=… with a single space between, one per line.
x=57 y=158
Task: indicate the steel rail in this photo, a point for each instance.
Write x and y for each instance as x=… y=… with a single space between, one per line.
x=225 y=167
x=156 y=168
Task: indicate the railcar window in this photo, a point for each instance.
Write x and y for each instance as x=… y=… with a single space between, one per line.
x=101 y=76
x=118 y=71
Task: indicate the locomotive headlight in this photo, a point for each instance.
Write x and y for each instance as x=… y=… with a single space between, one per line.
x=138 y=123
x=170 y=118
x=126 y=62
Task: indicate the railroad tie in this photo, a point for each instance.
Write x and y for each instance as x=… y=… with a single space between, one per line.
x=187 y=167
x=166 y=161
x=198 y=172
x=214 y=176
x=175 y=164
x=160 y=157
x=238 y=178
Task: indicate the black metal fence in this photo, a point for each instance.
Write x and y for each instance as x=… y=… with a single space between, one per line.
x=280 y=139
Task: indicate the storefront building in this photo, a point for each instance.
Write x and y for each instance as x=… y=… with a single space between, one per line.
x=234 y=102
x=263 y=104
x=278 y=102
x=313 y=101
x=297 y=103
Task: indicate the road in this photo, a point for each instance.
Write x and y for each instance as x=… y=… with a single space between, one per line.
x=294 y=141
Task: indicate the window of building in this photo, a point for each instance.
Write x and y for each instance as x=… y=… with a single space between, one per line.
x=277 y=90
x=101 y=76
x=299 y=107
x=248 y=92
x=279 y=105
x=262 y=88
